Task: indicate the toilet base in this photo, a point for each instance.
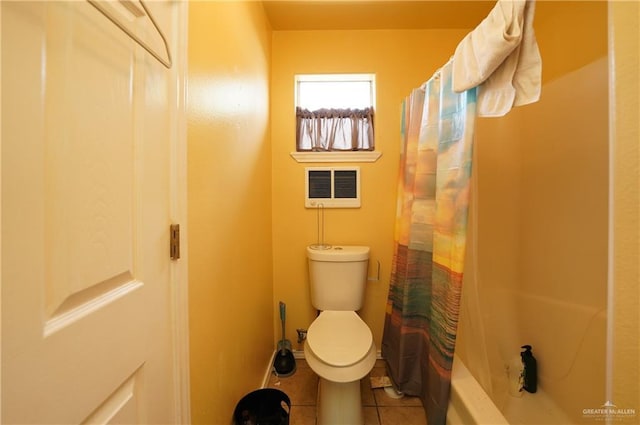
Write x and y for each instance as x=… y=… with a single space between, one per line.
x=339 y=403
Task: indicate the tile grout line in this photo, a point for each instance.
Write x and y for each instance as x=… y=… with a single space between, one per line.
x=298 y=389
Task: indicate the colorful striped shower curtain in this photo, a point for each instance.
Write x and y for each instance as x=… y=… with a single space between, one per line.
x=431 y=225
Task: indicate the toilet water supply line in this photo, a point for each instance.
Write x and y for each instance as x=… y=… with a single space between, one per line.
x=320 y=245
x=320 y=228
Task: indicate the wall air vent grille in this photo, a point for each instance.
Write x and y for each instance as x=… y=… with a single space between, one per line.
x=333 y=187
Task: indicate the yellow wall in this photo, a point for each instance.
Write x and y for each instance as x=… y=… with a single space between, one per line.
x=229 y=202
x=625 y=48
x=570 y=34
x=401 y=61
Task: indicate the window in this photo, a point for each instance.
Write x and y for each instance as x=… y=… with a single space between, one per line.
x=334 y=112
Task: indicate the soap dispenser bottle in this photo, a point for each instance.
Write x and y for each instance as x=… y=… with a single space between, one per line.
x=530 y=370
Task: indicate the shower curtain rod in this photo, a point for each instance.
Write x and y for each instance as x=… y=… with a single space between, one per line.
x=110 y=14
x=436 y=74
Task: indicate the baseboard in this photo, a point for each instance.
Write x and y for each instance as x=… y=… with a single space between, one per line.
x=269 y=371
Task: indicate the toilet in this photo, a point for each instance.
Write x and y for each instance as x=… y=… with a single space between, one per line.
x=339 y=347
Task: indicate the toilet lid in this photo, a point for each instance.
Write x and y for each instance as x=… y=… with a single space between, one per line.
x=339 y=338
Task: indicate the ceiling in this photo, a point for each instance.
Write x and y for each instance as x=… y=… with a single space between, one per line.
x=375 y=14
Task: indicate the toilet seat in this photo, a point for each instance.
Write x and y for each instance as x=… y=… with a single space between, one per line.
x=339 y=338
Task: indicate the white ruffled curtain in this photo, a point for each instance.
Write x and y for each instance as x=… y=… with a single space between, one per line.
x=334 y=130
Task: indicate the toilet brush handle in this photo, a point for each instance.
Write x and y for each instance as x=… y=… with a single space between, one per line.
x=283 y=312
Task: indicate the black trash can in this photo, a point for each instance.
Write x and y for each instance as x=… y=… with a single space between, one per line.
x=267 y=406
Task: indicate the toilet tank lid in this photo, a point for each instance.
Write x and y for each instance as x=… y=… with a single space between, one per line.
x=339 y=253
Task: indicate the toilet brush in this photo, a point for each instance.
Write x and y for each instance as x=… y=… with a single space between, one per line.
x=284 y=363
x=283 y=343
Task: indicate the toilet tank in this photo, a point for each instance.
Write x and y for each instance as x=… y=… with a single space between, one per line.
x=337 y=277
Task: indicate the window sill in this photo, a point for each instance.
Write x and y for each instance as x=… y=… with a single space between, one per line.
x=359 y=156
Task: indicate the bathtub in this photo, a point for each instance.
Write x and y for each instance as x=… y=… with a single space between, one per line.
x=469 y=404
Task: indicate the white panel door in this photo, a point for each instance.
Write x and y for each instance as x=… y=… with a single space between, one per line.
x=87 y=137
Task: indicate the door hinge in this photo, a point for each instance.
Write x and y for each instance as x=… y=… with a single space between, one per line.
x=174 y=241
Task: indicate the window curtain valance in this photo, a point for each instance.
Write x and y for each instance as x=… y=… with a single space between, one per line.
x=334 y=130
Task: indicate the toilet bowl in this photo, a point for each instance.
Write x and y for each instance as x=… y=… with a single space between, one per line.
x=340 y=350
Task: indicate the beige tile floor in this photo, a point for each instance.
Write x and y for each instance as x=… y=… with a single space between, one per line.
x=379 y=409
